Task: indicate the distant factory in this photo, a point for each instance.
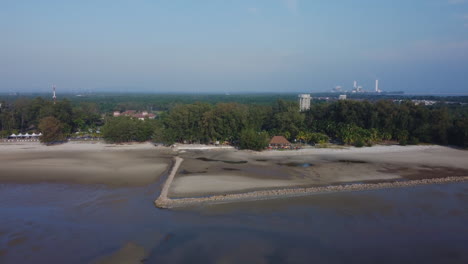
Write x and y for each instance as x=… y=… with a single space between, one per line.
x=357 y=89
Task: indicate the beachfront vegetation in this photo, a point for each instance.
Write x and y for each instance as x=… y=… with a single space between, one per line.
x=251 y=139
x=349 y=122
x=52 y=130
x=359 y=123
x=125 y=129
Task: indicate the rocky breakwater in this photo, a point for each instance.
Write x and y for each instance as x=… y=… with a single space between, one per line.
x=164 y=201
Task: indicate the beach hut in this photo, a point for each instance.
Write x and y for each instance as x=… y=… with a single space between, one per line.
x=279 y=142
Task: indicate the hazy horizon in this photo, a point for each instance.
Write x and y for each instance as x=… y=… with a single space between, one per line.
x=275 y=46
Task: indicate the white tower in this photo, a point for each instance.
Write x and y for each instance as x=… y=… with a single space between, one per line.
x=304 y=102
x=355 y=85
x=377 y=86
x=53 y=96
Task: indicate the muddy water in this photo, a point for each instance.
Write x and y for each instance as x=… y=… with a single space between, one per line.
x=59 y=223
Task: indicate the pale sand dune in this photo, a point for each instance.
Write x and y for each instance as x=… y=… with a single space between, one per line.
x=71 y=146
x=200 y=147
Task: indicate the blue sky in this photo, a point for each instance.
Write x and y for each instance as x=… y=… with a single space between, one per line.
x=233 y=46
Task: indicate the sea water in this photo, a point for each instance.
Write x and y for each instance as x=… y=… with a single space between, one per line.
x=70 y=223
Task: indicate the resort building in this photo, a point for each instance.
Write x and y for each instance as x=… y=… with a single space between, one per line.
x=304 y=102
x=133 y=113
x=279 y=142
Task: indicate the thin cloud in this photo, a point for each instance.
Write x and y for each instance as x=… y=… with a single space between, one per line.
x=292 y=5
x=252 y=10
x=422 y=51
x=456 y=2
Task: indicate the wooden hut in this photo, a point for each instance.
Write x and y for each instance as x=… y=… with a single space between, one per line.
x=279 y=142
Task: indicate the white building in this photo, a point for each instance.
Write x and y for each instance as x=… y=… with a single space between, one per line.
x=377 y=90
x=304 y=102
x=342 y=97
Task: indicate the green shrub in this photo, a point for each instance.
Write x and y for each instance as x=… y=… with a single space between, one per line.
x=52 y=130
x=126 y=129
x=251 y=139
x=359 y=143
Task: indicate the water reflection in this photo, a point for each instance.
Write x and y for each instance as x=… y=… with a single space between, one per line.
x=58 y=223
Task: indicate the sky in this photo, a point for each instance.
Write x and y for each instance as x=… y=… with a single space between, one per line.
x=418 y=46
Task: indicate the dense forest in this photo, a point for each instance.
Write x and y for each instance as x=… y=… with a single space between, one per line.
x=248 y=125
x=109 y=102
x=349 y=122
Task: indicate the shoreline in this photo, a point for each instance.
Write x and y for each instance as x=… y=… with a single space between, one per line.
x=220 y=175
x=168 y=203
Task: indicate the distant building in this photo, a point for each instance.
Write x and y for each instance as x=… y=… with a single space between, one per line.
x=424 y=102
x=377 y=89
x=337 y=89
x=133 y=113
x=304 y=102
x=342 y=97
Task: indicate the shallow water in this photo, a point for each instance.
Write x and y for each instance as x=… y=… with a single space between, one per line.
x=59 y=223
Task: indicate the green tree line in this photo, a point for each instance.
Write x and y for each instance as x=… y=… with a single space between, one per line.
x=349 y=122
x=24 y=115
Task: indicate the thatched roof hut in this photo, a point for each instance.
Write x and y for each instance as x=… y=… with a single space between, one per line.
x=279 y=141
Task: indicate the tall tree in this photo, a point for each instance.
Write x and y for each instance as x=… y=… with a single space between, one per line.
x=52 y=130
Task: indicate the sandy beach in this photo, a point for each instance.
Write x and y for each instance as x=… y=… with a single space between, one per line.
x=210 y=171
x=84 y=163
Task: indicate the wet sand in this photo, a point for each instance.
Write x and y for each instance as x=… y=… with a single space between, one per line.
x=223 y=176
x=83 y=163
x=221 y=172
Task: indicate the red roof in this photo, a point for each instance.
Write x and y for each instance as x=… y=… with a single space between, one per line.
x=129 y=112
x=279 y=140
